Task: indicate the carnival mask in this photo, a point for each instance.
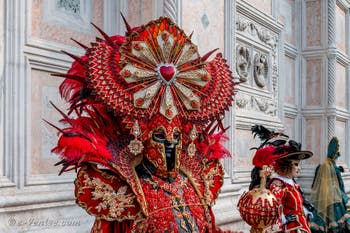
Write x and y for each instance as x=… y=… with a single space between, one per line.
x=163 y=149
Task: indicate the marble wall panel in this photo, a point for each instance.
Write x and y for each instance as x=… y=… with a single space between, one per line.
x=245 y=141
x=262 y=5
x=139 y=12
x=340 y=86
x=286 y=14
x=314 y=74
x=340 y=133
x=340 y=29
x=44 y=89
x=2 y=66
x=58 y=24
x=289 y=80
x=205 y=18
x=313 y=137
x=313 y=23
x=289 y=127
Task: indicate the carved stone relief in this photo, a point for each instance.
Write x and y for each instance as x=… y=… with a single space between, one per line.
x=264 y=105
x=72 y=6
x=243 y=63
x=264 y=67
x=252 y=28
x=257 y=104
x=260 y=69
x=242 y=101
x=75 y=15
x=259 y=33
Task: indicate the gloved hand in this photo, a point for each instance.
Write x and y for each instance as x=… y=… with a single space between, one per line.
x=290 y=218
x=309 y=216
x=341 y=168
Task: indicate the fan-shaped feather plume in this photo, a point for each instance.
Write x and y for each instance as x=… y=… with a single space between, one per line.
x=263 y=133
x=93 y=138
x=268 y=137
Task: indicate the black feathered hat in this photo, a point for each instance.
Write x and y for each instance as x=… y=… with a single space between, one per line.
x=275 y=146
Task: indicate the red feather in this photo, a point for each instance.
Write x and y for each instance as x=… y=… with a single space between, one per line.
x=213 y=147
x=70 y=88
x=89 y=138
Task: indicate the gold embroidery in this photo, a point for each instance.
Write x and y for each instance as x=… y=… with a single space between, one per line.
x=114 y=200
x=183 y=214
x=209 y=183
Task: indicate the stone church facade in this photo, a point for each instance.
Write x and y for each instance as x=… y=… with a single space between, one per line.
x=292 y=58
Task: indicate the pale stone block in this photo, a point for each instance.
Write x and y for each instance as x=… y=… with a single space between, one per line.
x=289 y=125
x=289 y=80
x=313 y=23
x=286 y=11
x=245 y=141
x=314 y=74
x=44 y=88
x=340 y=86
x=340 y=29
x=206 y=20
x=51 y=27
x=313 y=139
x=2 y=66
x=139 y=12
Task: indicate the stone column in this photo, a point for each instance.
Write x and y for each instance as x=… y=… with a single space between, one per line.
x=171 y=9
x=331 y=56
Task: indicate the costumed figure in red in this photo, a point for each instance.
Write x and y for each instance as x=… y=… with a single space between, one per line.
x=145 y=131
x=296 y=210
x=281 y=156
x=259 y=207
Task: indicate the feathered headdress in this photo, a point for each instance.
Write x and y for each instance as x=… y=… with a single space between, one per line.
x=125 y=85
x=275 y=146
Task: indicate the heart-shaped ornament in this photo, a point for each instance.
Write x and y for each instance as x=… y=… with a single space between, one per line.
x=167 y=72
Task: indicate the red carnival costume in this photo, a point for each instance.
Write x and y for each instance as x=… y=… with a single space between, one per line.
x=147 y=130
x=282 y=209
x=288 y=193
x=294 y=206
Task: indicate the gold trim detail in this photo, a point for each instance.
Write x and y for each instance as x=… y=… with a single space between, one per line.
x=116 y=201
